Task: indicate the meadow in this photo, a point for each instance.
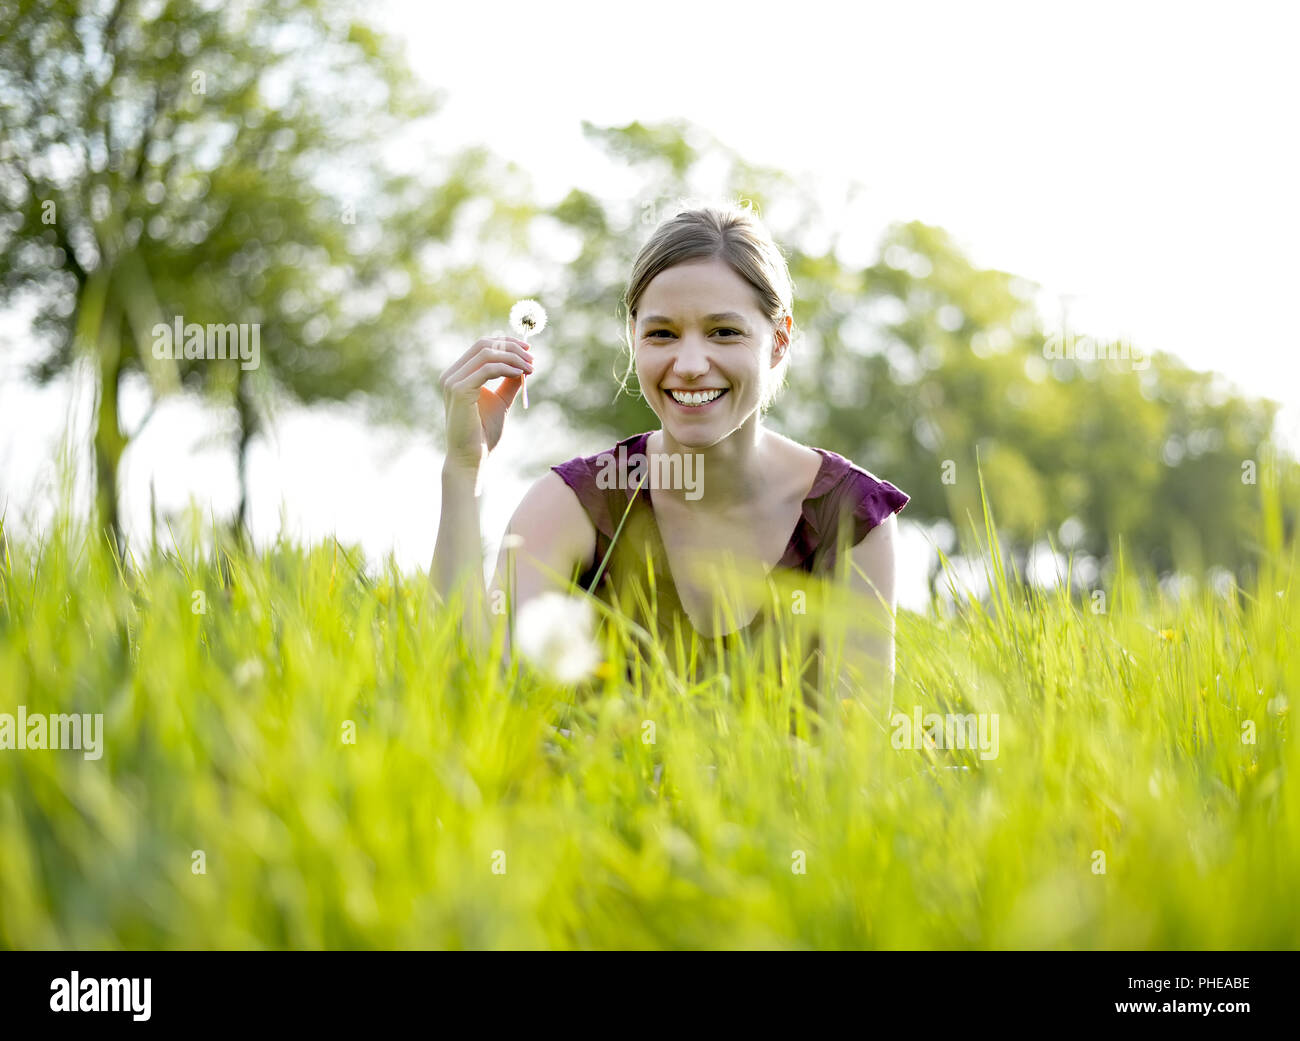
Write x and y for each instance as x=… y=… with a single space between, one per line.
x=299 y=754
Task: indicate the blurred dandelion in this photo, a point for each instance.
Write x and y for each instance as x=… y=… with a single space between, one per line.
x=527 y=318
x=555 y=635
x=248 y=672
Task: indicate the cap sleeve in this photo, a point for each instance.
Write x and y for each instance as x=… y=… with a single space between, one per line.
x=580 y=475
x=873 y=501
x=857 y=502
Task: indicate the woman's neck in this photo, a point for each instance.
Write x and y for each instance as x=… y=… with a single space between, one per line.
x=733 y=472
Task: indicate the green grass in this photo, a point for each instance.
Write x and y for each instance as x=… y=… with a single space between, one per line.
x=1119 y=732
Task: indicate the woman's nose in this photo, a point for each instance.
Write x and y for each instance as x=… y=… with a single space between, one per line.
x=691 y=360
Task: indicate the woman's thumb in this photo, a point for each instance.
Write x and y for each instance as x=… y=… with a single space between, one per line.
x=510 y=386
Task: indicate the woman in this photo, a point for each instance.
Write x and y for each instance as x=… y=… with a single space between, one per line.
x=709 y=325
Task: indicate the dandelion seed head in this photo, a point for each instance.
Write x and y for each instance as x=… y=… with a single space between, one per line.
x=527 y=318
x=553 y=632
x=248 y=672
x=679 y=846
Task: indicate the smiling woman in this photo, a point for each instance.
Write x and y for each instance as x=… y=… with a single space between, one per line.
x=710 y=328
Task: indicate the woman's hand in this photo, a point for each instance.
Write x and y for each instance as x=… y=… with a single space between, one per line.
x=476 y=415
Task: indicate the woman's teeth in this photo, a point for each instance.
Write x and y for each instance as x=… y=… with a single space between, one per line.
x=697 y=398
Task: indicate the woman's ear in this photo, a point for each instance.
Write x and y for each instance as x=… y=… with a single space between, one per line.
x=781 y=339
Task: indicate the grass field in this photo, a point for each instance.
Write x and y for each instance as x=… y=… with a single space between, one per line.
x=303 y=756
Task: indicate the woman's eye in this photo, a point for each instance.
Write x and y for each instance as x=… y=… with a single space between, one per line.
x=726 y=332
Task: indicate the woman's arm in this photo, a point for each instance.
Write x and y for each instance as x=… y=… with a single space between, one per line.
x=555 y=537
x=457 y=555
x=868 y=673
x=475 y=419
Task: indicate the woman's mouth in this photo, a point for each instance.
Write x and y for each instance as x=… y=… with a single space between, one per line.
x=696 y=400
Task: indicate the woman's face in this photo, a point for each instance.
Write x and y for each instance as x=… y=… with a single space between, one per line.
x=699 y=331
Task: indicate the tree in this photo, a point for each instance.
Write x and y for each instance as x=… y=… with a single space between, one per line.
x=220 y=166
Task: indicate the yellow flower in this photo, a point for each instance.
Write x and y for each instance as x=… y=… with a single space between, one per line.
x=1166 y=634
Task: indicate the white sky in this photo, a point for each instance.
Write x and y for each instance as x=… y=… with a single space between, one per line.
x=1138 y=160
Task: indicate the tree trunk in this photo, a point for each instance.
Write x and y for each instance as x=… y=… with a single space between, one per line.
x=109 y=441
x=247 y=419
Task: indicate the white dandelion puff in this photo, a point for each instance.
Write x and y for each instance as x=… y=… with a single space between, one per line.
x=554 y=632
x=248 y=672
x=527 y=318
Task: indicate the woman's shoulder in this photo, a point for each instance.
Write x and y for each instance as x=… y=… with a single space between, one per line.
x=594 y=477
x=844 y=487
x=839 y=473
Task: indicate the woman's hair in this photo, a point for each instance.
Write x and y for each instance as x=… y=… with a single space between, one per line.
x=734 y=233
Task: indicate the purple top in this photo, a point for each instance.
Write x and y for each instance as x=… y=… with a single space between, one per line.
x=841 y=490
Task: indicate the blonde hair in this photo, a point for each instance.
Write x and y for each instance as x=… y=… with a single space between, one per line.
x=734 y=233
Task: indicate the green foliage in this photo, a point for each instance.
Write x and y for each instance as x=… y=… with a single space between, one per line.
x=225 y=164
x=1120 y=732
x=184 y=142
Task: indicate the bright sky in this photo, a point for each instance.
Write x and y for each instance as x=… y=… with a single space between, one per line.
x=1137 y=160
